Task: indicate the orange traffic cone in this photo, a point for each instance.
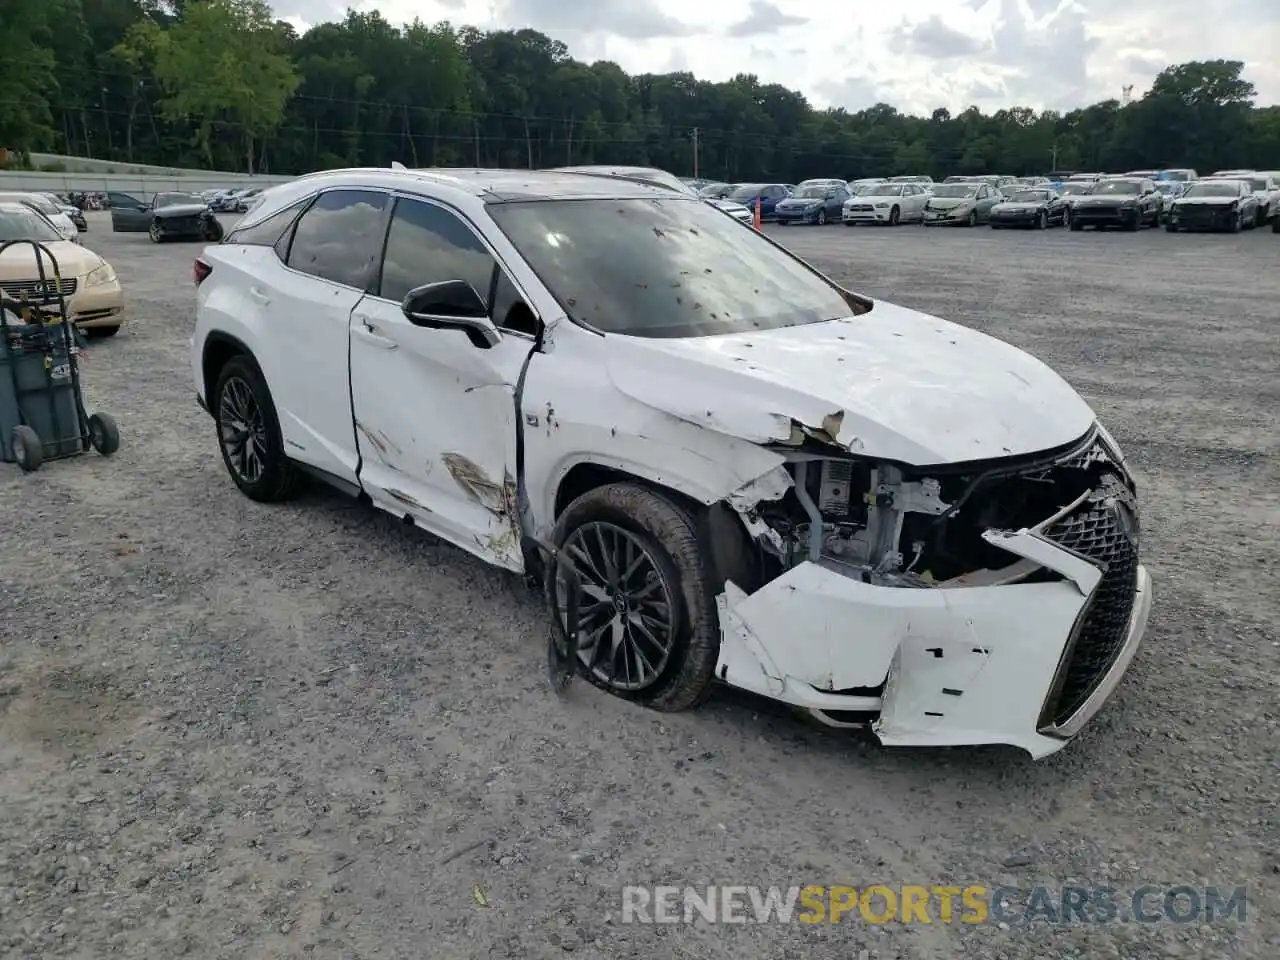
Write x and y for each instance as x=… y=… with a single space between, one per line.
x=755 y=220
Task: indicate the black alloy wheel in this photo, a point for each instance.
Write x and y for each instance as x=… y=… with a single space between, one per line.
x=242 y=430
x=627 y=607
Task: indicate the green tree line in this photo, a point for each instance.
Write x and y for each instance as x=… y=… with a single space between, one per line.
x=222 y=84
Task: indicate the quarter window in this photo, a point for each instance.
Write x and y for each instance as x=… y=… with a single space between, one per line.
x=269 y=231
x=428 y=244
x=339 y=237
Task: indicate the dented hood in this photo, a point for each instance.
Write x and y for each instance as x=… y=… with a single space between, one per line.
x=893 y=384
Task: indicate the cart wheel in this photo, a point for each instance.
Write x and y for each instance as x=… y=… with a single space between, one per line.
x=28 y=451
x=103 y=434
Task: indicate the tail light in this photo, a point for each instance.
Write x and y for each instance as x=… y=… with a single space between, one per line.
x=200 y=271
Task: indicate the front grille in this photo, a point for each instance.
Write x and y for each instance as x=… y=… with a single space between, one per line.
x=36 y=290
x=1103 y=530
x=862 y=208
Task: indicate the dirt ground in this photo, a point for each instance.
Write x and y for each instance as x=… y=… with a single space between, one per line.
x=230 y=730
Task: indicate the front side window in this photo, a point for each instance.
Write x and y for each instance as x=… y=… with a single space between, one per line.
x=339 y=237
x=429 y=244
x=663 y=268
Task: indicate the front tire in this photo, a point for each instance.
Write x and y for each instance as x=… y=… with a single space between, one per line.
x=155 y=233
x=972 y=220
x=1042 y=221
x=647 y=617
x=212 y=231
x=822 y=218
x=895 y=216
x=249 y=434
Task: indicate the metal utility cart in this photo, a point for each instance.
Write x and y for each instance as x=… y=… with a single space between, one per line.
x=42 y=415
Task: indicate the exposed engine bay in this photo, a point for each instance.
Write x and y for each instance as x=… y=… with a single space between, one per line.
x=892 y=525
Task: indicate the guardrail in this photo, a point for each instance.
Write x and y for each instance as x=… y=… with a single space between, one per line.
x=127 y=183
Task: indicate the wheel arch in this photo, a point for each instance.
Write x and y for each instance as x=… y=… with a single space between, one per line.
x=587 y=475
x=219 y=348
x=725 y=542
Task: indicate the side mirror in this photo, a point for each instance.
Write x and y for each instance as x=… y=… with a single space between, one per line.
x=452 y=305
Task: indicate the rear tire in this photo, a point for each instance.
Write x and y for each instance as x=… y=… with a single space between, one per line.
x=664 y=532
x=28 y=450
x=249 y=430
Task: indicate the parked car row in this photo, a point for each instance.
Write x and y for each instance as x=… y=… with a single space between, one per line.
x=231 y=200
x=1178 y=198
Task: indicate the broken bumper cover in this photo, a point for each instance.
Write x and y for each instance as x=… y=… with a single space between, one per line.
x=1021 y=664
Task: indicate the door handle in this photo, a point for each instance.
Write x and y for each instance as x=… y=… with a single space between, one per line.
x=257 y=293
x=365 y=332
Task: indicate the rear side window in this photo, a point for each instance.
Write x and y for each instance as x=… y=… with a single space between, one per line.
x=269 y=231
x=339 y=237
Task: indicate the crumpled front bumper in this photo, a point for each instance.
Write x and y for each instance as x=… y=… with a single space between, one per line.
x=964 y=665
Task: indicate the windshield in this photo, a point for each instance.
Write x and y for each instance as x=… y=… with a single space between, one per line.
x=22 y=224
x=43 y=204
x=748 y=191
x=1075 y=188
x=1028 y=196
x=884 y=190
x=715 y=191
x=1120 y=187
x=955 y=190
x=663 y=268
x=1227 y=188
x=1258 y=184
x=815 y=191
x=1168 y=186
x=173 y=199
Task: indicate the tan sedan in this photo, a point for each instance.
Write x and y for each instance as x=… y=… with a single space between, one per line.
x=88 y=284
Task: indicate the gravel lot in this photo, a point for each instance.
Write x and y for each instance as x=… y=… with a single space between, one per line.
x=228 y=730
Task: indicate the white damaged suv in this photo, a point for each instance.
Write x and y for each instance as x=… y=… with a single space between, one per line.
x=759 y=478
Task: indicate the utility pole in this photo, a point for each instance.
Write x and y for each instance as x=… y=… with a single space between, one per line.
x=695 y=153
x=1054 y=165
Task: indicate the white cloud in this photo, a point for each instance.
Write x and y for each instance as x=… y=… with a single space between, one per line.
x=928 y=54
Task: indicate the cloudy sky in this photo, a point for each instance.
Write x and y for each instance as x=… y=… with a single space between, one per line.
x=930 y=53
